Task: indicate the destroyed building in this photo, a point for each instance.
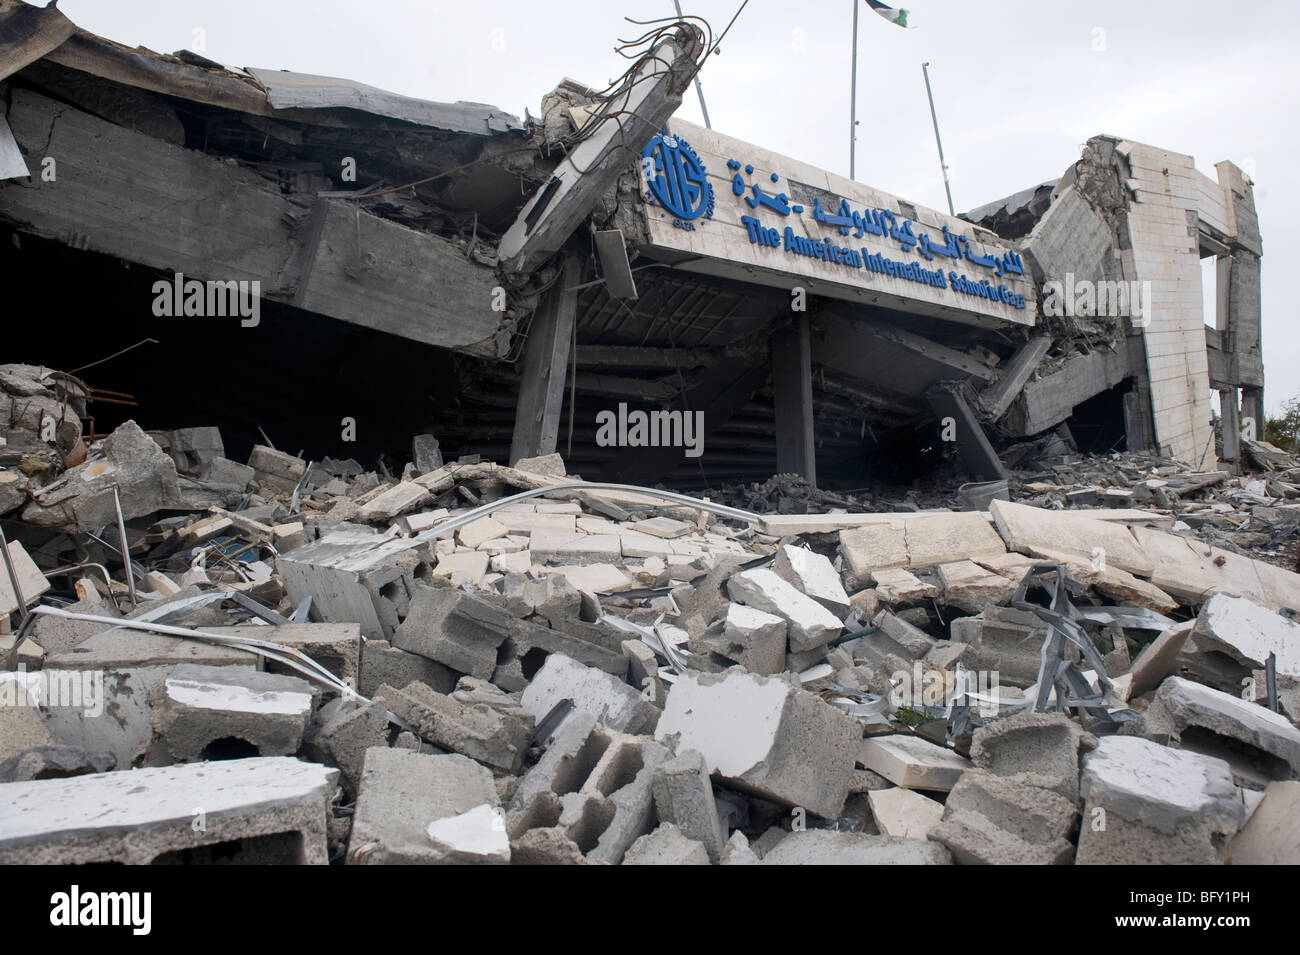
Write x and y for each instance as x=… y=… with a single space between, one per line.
x=430 y=657
x=457 y=261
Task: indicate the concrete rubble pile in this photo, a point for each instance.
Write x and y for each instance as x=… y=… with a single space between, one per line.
x=310 y=662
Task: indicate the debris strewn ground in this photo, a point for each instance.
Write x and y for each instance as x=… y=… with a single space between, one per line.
x=310 y=661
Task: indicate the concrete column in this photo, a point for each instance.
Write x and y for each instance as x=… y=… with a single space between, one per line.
x=976 y=452
x=1252 y=409
x=1230 y=425
x=546 y=360
x=792 y=382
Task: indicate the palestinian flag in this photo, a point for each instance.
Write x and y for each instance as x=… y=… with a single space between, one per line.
x=889 y=13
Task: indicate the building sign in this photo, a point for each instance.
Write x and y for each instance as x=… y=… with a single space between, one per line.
x=852 y=238
x=676 y=180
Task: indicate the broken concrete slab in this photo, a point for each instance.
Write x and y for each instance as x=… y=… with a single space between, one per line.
x=825 y=847
x=912 y=762
x=275 y=807
x=994 y=820
x=1158 y=659
x=417 y=809
x=904 y=814
x=30 y=580
x=684 y=797
x=1257 y=743
x=812 y=575
x=918 y=541
x=1271 y=836
x=969 y=587
x=403 y=497
x=810 y=624
x=609 y=699
x=1247 y=633
x=898 y=587
x=1158 y=806
x=133 y=465
x=1038 y=532
x=766 y=737
x=203 y=712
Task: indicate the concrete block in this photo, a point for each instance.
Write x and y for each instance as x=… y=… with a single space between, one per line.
x=1160 y=806
x=683 y=796
x=267 y=809
x=276 y=469
x=738 y=852
x=456 y=629
x=406 y=496
x=667 y=845
x=381 y=662
x=335 y=646
x=765 y=737
x=1036 y=749
x=826 y=847
x=1271 y=836
x=992 y=820
x=204 y=712
x=810 y=624
x=123 y=666
x=463 y=568
x=751 y=638
x=608 y=698
x=415 y=809
x=574 y=548
x=904 y=814
x=912 y=762
x=345 y=730
x=812 y=575
x=479 y=731
x=368 y=579
x=595 y=785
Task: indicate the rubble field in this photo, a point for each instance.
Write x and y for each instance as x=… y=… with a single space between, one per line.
x=292 y=661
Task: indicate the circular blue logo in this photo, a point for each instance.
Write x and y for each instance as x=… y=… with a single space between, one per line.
x=676 y=178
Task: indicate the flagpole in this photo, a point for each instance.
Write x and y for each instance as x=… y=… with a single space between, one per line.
x=853 y=95
x=925 y=68
x=699 y=90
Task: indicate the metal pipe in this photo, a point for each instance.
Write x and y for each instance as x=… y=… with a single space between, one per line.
x=470 y=517
x=126 y=550
x=853 y=94
x=925 y=69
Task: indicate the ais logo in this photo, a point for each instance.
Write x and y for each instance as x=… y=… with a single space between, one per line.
x=676 y=179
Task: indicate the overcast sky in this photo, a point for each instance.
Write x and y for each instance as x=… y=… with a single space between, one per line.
x=1019 y=84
